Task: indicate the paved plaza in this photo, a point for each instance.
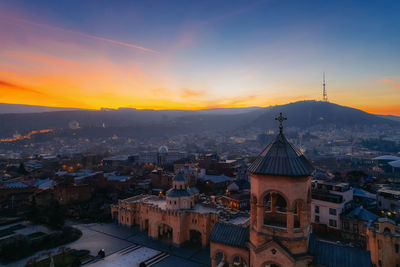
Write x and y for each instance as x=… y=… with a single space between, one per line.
x=128 y=247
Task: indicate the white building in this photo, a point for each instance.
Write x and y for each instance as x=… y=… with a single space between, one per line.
x=389 y=199
x=329 y=200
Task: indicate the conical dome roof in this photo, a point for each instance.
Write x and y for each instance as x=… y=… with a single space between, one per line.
x=281 y=158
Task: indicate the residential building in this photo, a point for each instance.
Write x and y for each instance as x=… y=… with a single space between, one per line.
x=389 y=199
x=329 y=200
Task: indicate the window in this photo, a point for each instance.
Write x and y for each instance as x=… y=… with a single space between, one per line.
x=316 y=209
x=316 y=219
x=268 y=203
x=332 y=223
x=355 y=228
x=332 y=211
x=280 y=203
x=396 y=246
x=346 y=225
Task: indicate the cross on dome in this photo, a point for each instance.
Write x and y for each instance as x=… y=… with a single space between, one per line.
x=280 y=118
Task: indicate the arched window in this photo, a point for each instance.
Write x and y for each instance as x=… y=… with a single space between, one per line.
x=275 y=210
x=220 y=258
x=386 y=231
x=239 y=262
x=280 y=203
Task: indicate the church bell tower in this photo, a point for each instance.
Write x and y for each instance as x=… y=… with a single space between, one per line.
x=280 y=205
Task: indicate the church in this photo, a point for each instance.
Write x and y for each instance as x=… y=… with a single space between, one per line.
x=279 y=234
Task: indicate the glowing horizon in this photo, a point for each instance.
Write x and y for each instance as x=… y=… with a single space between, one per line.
x=199 y=55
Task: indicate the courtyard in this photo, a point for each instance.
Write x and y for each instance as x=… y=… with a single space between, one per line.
x=130 y=246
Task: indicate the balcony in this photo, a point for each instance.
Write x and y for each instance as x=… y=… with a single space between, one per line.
x=326 y=196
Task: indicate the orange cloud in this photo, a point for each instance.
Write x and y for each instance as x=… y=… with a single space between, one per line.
x=391 y=81
x=188 y=93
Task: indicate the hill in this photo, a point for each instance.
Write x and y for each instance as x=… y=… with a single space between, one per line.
x=17 y=108
x=304 y=114
x=130 y=122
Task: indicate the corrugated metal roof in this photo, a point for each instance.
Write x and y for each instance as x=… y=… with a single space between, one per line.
x=362 y=214
x=333 y=255
x=281 y=158
x=395 y=164
x=387 y=157
x=230 y=234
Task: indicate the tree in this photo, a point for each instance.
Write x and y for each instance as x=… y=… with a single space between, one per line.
x=56 y=214
x=21 y=169
x=33 y=211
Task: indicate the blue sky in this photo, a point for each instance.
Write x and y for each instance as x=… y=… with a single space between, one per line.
x=197 y=54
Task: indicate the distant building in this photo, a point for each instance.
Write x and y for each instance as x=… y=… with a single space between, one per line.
x=355 y=223
x=384 y=162
x=329 y=200
x=191 y=171
x=237 y=201
x=215 y=183
x=71 y=194
x=161 y=179
x=147 y=157
x=389 y=200
x=116 y=161
x=364 y=198
x=384 y=243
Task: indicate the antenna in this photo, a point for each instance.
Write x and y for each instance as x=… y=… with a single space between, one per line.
x=324 y=94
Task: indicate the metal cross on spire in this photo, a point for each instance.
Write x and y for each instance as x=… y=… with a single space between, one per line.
x=280 y=119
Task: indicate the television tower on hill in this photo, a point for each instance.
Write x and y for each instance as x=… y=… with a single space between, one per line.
x=324 y=94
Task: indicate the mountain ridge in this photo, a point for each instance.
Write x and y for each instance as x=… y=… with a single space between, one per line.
x=301 y=114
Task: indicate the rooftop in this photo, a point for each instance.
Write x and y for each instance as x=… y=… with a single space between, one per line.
x=387 y=157
x=162 y=204
x=230 y=234
x=281 y=158
x=334 y=255
x=362 y=214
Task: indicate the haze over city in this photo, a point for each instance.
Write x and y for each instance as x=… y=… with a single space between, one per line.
x=194 y=55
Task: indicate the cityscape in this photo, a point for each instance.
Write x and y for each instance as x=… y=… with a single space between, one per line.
x=204 y=134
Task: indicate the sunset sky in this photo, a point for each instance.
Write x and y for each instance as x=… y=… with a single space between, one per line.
x=199 y=54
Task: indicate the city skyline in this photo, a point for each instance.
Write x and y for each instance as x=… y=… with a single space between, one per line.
x=183 y=55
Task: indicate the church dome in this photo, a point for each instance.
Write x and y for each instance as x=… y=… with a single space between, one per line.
x=163 y=150
x=179 y=177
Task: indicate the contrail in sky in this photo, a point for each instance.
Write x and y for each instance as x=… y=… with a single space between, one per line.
x=90 y=36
